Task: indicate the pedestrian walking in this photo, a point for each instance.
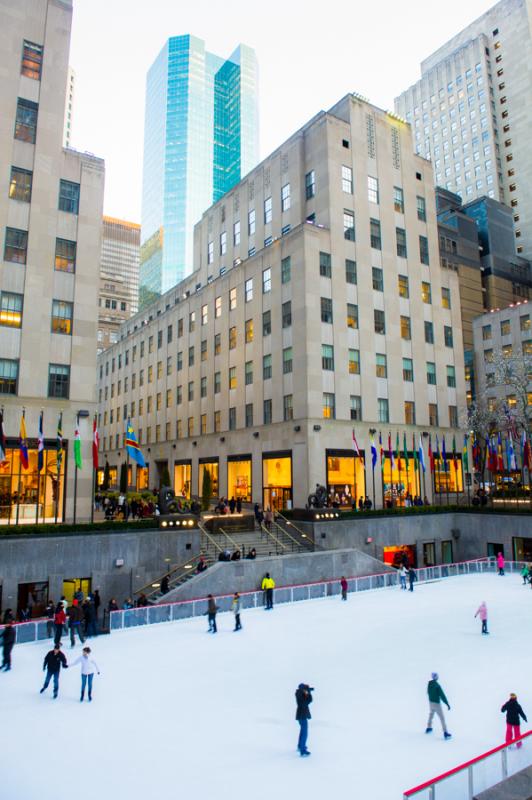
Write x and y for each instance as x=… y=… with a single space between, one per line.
x=343 y=586
x=403 y=573
x=436 y=696
x=524 y=574
x=482 y=612
x=232 y=505
x=53 y=661
x=88 y=668
x=268 y=585
x=235 y=608
x=8 y=642
x=212 y=610
x=59 y=621
x=411 y=578
x=303 y=700
x=513 y=711
x=75 y=618
x=500 y=563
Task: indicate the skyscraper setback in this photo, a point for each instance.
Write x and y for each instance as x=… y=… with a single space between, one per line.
x=200 y=138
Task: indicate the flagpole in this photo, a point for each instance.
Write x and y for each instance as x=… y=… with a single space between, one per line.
x=92 y=494
x=19 y=475
x=38 y=474
x=399 y=479
x=75 y=477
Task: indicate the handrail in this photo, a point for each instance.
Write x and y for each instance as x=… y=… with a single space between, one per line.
x=210 y=538
x=303 y=535
x=181 y=568
x=465 y=765
x=231 y=540
x=291 y=538
x=269 y=534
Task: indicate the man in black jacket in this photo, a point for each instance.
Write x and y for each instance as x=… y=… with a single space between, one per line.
x=303 y=700
x=8 y=641
x=513 y=712
x=53 y=661
x=75 y=618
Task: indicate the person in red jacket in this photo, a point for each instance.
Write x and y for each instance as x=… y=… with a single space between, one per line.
x=59 y=621
x=343 y=584
x=513 y=712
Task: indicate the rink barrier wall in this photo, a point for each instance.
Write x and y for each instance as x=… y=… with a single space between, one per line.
x=36 y=630
x=437 y=789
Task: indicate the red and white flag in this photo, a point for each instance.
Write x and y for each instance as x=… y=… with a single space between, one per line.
x=356 y=447
x=95 y=444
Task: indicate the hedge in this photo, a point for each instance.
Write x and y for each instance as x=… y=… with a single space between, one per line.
x=412 y=511
x=66 y=529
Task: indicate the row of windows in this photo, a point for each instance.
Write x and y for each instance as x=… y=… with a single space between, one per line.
x=506 y=327
x=11 y=308
x=58 y=378
x=21 y=184
x=16 y=250
x=507 y=351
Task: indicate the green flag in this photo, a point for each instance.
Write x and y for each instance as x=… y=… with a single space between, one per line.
x=77 y=447
x=405 y=451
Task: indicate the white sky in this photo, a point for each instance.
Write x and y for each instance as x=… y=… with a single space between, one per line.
x=310 y=54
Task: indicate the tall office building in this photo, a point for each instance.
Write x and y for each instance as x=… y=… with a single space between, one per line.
x=471 y=112
x=51 y=202
x=200 y=138
x=119 y=278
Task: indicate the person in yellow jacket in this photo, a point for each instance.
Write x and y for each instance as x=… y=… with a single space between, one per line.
x=268 y=585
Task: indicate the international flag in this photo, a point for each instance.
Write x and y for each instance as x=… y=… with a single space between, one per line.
x=390 y=451
x=40 y=444
x=397 y=450
x=373 y=452
x=431 y=454
x=465 y=454
x=132 y=446
x=512 y=463
x=356 y=447
x=95 y=444
x=444 y=453
x=381 y=451
x=2 y=441
x=23 y=443
x=415 y=453
x=59 y=442
x=437 y=454
x=500 y=459
x=526 y=452
x=405 y=451
x=476 y=454
x=455 y=455
x=77 y=446
x=421 y=454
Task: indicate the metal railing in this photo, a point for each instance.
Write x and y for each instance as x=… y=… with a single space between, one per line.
x=306 y=541
x=476 y=775
x=280 y=548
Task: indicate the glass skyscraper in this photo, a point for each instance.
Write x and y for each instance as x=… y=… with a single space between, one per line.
x=200 y=138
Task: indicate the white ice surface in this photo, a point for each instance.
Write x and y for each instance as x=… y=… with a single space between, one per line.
x=180 y=713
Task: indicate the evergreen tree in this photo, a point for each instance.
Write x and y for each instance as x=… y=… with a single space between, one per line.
x=206 y=490
x=123 y=478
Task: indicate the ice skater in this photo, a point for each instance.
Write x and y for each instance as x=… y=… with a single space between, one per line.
x=88 y=668
x=500 y=563
x=75 y=617
x=268 y=585
x=212 y=609
x=53 y=661
x=8 y=641
x=436 y=696
x=343 y=586
x=235 y=608
x=303 y=700
x=513 y=723
x=482 y=612
x=524 y=574
x=403 y=573
x=411 y=578
x=59 y=621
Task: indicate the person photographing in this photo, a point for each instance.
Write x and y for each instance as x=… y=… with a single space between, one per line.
x=303 y=700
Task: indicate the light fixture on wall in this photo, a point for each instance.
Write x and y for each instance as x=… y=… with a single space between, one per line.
x=317 y=427
x=297 y=428
x=222 y=438
x=425 y=434
x=194 y=444
x=256 y=435
x=83 y=413
x=174 y=446
x=372 y=431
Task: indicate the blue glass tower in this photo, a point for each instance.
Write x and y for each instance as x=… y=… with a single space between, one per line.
x=200 y=138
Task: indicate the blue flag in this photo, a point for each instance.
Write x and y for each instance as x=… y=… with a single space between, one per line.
x=373 y=453
x=132 y=447
x=421 y=454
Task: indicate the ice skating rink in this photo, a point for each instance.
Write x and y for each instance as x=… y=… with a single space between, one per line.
x=180 y=713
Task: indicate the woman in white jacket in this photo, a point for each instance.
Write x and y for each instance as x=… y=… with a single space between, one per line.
x=88 y=668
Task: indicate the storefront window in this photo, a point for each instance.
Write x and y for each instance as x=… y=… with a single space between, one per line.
x=143 y=478
x=212 y=468
x=398 y=554
x=450 y=479
x=404 y=483
x=346 y=480
x=182 y=478
x=277 y=481
x=239 y=479
x=27 y=495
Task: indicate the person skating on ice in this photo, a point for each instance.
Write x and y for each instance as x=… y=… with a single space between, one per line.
x=8 y=641
x=524 y=574
x=268 y=585
x=482 y=612
x=436 y=696
x=212 y=609
x=500 y=563
x=53 y=661
x=403 y=574
x=343 y=586
x=88 y=668
x=411 y=578
x=235 y=608
x=303 y=700
x=513 y=724
x=59 y=621
x=75 y=618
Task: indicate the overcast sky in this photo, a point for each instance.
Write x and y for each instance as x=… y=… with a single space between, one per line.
x=310 y=54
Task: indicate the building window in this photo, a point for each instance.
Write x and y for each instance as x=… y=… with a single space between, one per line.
x=69 y=197
x=16 y=246
x=159 y=339
x=421 y=209
x=249 y=330
x=382 y=410
x=408 y=370
x=285 y=197
x=398 y=200
x=232 y=299
x=249 y=415
x=26 y=121
x=507 y=350
x=426 y=294
x=448 y=335
x=31 y=65
x=403 y=286
x=524 y=322
x=350 y=271
x=406 y=332
x=349 y=225
x=266 y=323
x=8 y=376
x=354 y=361
x=210 y=252
x=267 y=412
x=429 y=332
x=203 y=390
x=381 y=367
x=287 y=314
x=506 y=327
x=379 y=321
x=217 y=307
x=431 y=373
x=355 y=407
x=486 y=332
x=223 y=243
x=248 y=290
x=204 y=317
x=310 y=184
x=267 y=210
x=326 y=310
x=190 y=356
x=352 y=315
x=11 y=309
x=287 y=360
x=191 y=322
x=168 y=368
x=433 y=415
x=248 y=372
x=190 y=394
x=190 y=427
x=453 y=416
x=377 y=278
x=217 y=382
x=217 y=421
x=373 y=189
x=410 y=413
x=325 y=265
x=347 y=180
x=251 y=222
x=20 y=184
x=400 y=236
x=375 y=234
x=424 y=250
x=267 y=367
x=266 y=280
x=327 y=357
x=286 y=270
x=451 y=376
x=58 y=381
x=179 y=362
x=288 y=409
x=329 y=406
x=232 y=337
x=236 y=233
x=446 y=297
x=62 y=315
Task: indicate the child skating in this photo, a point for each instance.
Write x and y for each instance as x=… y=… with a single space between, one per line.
x=88 y=668
x=482 y=612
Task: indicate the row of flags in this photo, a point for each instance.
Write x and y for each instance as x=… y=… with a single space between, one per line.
x=502 y=454
x=416 y=452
